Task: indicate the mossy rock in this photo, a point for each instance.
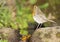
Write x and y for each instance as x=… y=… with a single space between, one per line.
x=9 y=34
x=47 y=34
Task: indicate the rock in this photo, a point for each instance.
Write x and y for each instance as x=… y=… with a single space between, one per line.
x=9 y=34
x=47 y=34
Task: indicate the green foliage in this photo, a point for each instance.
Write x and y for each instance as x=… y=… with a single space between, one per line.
x=44 y=5
x=3 y=40
x=23 y=32
x=33 y=1
x=22 y=18
x=23 y=15
x=57 y=1
x=4 y=16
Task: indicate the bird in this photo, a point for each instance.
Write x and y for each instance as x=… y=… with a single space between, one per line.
x=39 y=16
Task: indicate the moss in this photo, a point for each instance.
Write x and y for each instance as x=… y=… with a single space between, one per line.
x=47 y=35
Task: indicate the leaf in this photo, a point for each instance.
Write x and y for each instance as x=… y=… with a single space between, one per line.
x=32 y=1
x=44 y=5
x=13 y=25
x=23 y=32
x=5 y=40
x=23 y=24
x=1 y=25
x=1 y=40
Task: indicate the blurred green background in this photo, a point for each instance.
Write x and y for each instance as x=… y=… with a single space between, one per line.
x=23 y=12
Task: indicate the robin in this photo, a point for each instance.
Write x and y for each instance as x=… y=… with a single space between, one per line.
x=40 y=17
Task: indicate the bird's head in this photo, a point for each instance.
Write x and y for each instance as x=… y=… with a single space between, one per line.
x=36 y=10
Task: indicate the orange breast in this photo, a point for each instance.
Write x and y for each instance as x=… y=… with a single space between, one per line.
x=33 y=13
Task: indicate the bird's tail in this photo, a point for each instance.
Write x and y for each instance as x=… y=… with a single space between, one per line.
x=52 y=22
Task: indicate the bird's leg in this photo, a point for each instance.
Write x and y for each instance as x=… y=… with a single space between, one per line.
x=39 y=25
